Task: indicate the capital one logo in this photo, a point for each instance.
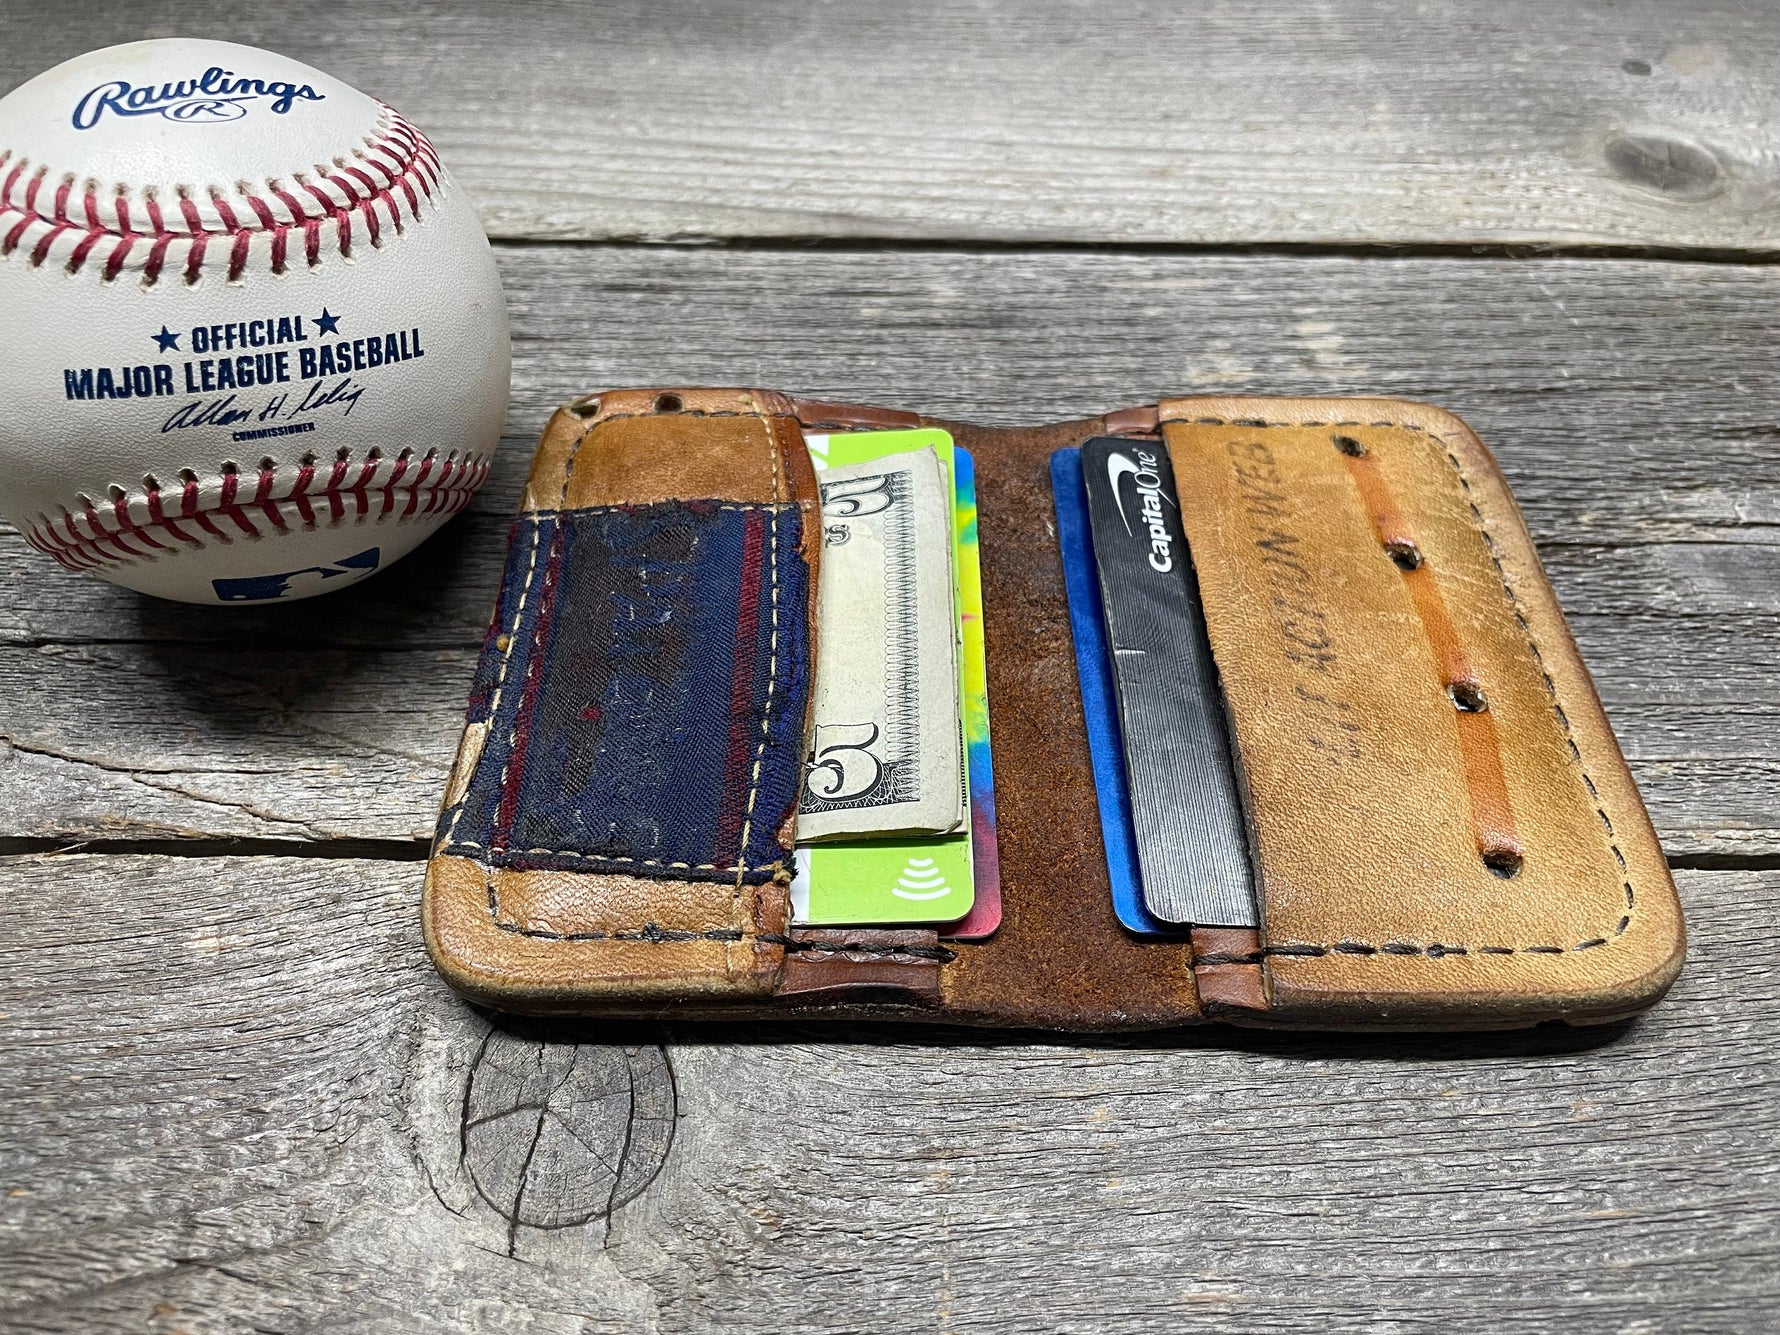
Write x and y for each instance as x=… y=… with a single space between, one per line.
x=215 y=95
x=1149 y=503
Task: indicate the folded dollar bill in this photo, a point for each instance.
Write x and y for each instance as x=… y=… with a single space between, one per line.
x=885 y=749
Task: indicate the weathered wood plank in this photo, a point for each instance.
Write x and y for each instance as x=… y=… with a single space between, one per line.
x=237 y=1098
x=202 y=743
x=1638 y=123
x=1630 y=402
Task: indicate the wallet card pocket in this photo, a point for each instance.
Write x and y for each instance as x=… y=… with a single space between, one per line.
x=622 y=804
x=644 y=697
x=1440 y=818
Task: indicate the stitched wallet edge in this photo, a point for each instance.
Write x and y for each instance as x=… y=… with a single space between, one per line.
x=1336 y=1001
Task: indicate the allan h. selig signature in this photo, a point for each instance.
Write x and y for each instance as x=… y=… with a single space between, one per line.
x=225 y=411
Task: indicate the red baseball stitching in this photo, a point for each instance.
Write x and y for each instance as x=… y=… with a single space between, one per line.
x=429 y=494
x=400 y=155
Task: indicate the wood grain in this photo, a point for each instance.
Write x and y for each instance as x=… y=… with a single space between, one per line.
x=239 y=1098
x=1641 y=123
x=1629 y=402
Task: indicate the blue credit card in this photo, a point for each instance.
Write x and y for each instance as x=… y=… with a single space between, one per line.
x=1100 y=703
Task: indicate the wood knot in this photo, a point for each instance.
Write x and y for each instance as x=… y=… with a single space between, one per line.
x=1665 y=163
x=558 y=1134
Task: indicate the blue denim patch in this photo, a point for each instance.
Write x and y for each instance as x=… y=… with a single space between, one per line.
x=645 y=681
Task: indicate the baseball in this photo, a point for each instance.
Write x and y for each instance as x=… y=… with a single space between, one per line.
x=252 y=341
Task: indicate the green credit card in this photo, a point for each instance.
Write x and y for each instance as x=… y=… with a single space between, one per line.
x=920 y=880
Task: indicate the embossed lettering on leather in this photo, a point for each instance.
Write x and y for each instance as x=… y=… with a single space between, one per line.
x=1443 y=823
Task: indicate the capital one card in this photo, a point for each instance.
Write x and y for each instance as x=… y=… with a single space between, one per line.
x=1186 y=813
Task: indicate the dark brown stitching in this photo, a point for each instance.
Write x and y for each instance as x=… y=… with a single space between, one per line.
x=654 y=934
x=648 y=934
x=794 y=944
x=684 y=412
x=1401 y=949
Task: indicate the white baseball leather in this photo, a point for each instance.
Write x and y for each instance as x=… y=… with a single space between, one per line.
x=200 y=243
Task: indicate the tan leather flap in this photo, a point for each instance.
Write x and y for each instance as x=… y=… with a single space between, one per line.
x=1443 y=823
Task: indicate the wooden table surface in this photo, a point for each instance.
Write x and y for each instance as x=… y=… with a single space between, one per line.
x=224 y=1113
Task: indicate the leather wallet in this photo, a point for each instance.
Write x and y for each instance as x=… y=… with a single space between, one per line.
x=1443 y=831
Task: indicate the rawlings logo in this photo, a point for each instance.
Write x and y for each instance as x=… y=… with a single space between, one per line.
x=217 y=96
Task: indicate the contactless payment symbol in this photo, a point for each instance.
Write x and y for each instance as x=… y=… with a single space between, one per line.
x=921 y=879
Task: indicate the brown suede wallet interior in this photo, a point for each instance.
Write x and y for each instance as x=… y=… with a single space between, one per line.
x=1444 y=831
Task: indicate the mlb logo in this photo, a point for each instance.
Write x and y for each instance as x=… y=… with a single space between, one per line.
x=262 y=588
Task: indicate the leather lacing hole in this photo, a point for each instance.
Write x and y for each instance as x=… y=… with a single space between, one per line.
x=668 y=403
x=584 y=407
x=1467 y=697
x=1406 y=555
x=1503 y=861
x=1349 y=446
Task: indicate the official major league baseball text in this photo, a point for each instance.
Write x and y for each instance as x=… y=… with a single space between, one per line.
x=206 y=375
x=246 y=318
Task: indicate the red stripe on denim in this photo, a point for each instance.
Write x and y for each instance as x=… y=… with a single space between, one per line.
x=742 y=723
x=528 y=699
